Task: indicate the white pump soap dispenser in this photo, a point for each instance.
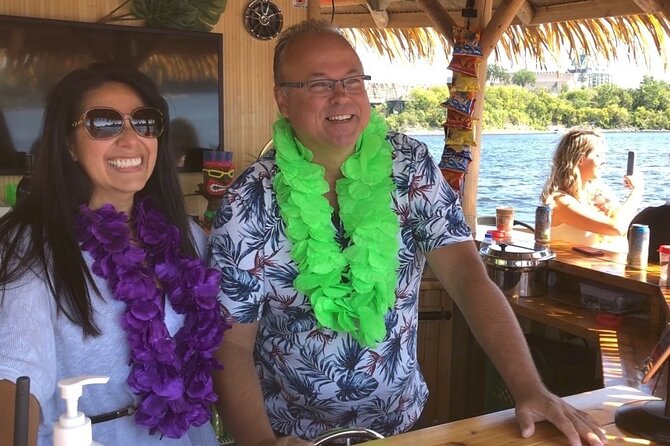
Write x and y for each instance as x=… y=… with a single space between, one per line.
x=73 y=427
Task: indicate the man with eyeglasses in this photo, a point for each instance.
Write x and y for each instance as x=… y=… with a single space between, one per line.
x=322 y=244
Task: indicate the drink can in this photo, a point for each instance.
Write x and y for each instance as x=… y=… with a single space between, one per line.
x=543 y=224
x=638 y=246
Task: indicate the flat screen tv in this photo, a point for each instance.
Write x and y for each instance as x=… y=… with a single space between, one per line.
x=36 y=53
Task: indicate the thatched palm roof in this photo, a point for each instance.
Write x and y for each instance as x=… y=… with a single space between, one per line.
x=638 y=28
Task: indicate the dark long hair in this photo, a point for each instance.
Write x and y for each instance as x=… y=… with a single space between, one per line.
x=38 y=233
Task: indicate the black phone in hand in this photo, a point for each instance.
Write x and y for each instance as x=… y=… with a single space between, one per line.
x=630 y=166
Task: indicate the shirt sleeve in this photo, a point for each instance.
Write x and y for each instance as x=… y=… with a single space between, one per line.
x=436 y=216
x=236 y=246
x=27 y=339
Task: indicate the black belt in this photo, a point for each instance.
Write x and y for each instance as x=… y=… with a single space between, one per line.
x=125 y=412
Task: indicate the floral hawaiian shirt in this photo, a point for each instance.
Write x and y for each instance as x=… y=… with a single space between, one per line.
x=314 y=379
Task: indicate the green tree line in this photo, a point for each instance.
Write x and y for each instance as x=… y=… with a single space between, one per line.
x=608 y=106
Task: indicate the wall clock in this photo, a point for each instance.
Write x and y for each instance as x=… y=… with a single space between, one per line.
x=263 y=19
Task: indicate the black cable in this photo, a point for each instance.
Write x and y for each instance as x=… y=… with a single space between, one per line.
x=21 y=411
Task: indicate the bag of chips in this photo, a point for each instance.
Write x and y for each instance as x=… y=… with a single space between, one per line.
x=460 y=137
x=464 y=150
x=464 y=64
x=462 y=102
x=466 y=42
x=455 y=160
x=454 y=178
x=455 y=119
x=463 y=82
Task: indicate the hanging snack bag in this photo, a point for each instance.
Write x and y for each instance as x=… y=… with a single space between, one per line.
x=464 y=64
x=460 y=137
x=455 y=119
x=454 y=178
x=467 y=52
x=462 y=102
x=463 y=82
x=459 y=150
x=455 y=160
x=466 y=42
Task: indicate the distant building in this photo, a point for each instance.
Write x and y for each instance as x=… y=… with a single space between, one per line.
x=554 y=81
x=382 y=92
x=598 y=79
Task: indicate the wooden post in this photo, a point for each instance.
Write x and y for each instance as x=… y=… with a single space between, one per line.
x=484 y=12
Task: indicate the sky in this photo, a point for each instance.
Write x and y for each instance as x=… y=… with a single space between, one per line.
x=625 y=73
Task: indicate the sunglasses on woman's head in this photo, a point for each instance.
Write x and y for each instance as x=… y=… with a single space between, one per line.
x=105 y=123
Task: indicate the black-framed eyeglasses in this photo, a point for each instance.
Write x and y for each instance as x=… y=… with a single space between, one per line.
x=325 y=87
x=106 y=122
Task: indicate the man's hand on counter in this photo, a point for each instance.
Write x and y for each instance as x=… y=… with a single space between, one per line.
x=573 y=423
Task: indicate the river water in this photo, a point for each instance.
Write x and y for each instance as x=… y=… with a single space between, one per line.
x=514 y=167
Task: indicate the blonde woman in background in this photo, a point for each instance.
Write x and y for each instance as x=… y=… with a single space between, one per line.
x=585 y=211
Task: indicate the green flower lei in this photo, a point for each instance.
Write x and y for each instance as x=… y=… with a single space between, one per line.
x=350 y=290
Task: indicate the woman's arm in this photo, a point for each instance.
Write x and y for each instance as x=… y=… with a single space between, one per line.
x=568 y=209
x=7 y=398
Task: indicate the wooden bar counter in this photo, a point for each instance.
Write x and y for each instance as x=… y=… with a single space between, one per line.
x=454 y=365
x=501 y=428
x=623 y=349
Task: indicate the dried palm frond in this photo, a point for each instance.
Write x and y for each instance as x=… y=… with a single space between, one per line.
x=407 y=44
x=639 y=37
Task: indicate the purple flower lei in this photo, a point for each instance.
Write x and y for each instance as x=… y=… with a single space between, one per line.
x=171 y=376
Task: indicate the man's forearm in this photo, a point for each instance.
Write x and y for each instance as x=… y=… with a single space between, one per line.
x=497 y=330
x=240 y=403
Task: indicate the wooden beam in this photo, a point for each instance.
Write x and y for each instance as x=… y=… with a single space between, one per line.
x=396 y=20
x=498 y=24
x=327 y=3
x=655 y=6
x=442 y=21
x=585 y=10
x=313 y=10
x=588 y=9
x=526 y=13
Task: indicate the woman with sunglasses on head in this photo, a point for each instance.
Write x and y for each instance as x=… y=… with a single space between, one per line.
x=585 y=211
x=101 y=273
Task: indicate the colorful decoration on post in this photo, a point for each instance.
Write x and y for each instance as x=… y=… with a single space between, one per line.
x=459 y=126
x=217 y=174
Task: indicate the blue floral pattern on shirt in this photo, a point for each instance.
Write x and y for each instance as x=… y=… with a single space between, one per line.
x=316 y=379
